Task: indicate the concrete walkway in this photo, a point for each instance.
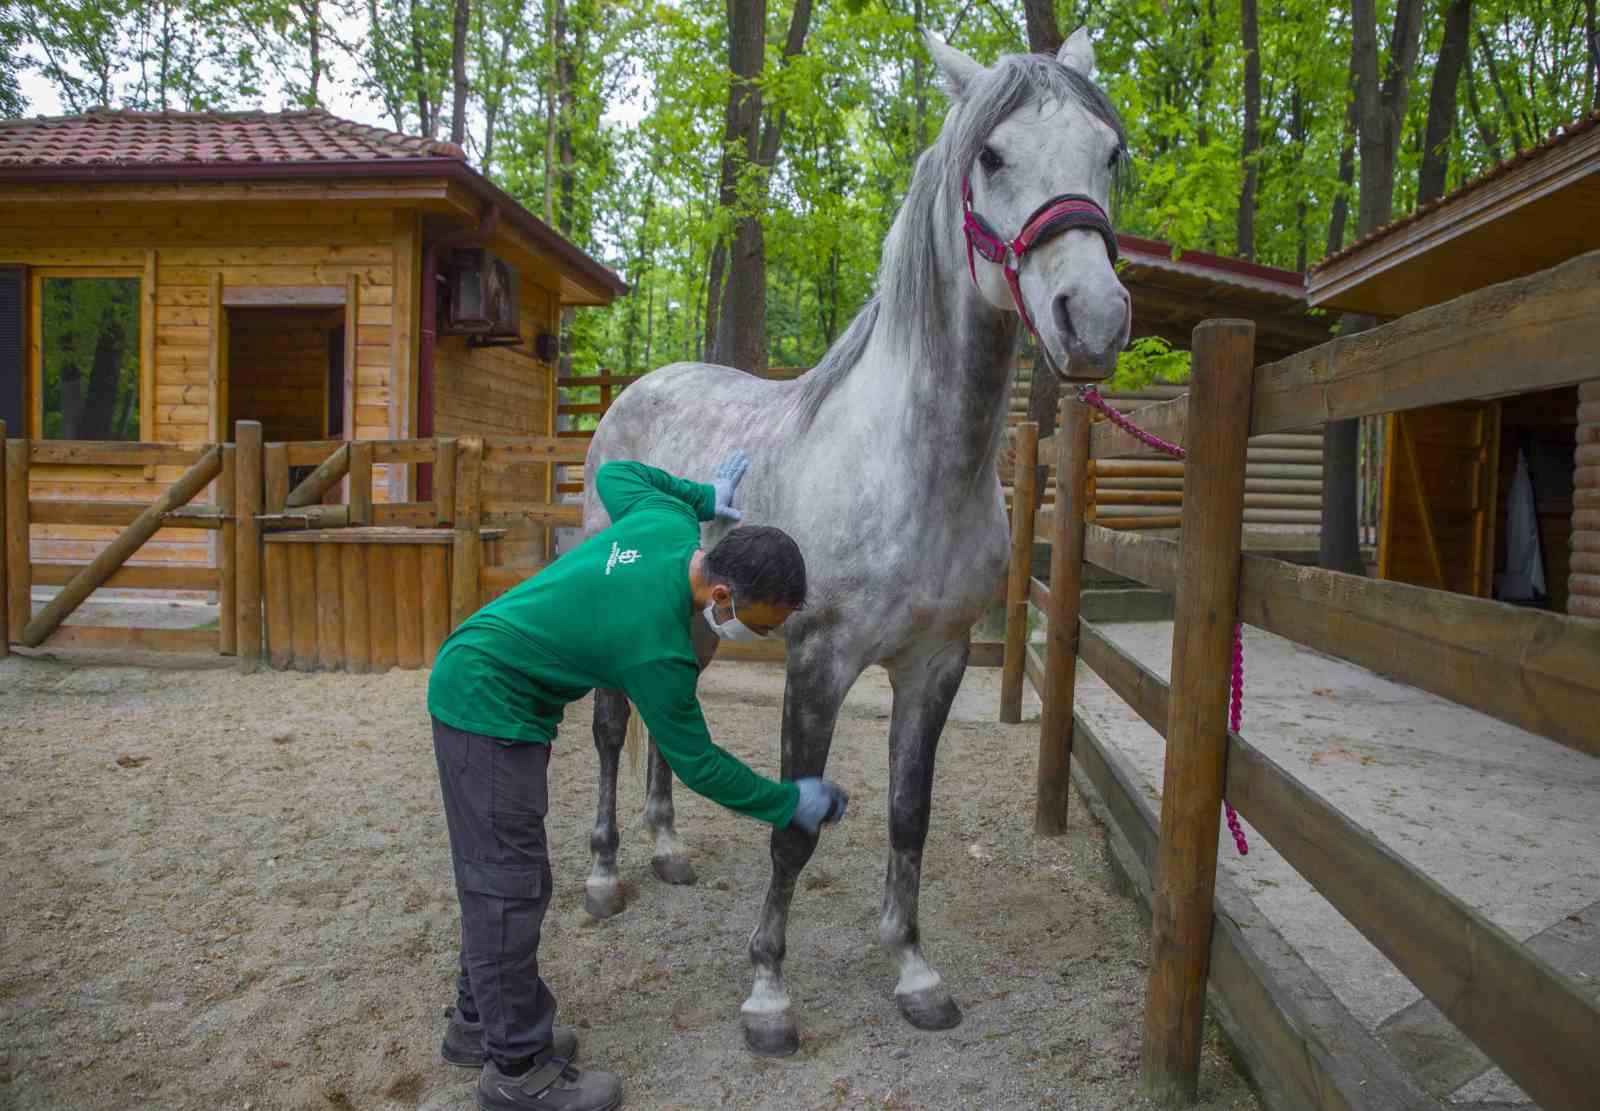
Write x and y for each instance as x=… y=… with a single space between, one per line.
x=1505 y=820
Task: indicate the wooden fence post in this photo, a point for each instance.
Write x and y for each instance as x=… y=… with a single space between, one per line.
x=227 y=551
x=1024 y=478
x=247 y=560
x=5 y=596
x=19 y=571
x=1061 y=646
x=444 y=479
x=277 y=586
x=1197 y=711
x=466 y=553
x=360 y=482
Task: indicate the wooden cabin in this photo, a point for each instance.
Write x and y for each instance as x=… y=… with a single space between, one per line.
x=1448 y=469
x=163 y=275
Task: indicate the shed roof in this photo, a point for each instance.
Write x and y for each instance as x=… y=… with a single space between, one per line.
x=1534 y=210
x=1173 y=294
x=111 y=146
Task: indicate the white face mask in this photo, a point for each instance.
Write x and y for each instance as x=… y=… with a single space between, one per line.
x=733 y=630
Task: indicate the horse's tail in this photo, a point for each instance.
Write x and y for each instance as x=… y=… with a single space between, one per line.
x=633 y=740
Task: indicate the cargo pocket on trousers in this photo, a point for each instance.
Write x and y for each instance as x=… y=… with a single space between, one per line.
x=504 y=881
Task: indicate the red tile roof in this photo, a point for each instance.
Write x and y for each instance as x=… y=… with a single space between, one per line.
x=1557 y=138
x=124 y=138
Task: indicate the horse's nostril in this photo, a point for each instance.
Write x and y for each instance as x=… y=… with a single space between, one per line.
x=1063 y=311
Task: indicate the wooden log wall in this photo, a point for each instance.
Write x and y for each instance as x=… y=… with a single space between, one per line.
x=1583 y=582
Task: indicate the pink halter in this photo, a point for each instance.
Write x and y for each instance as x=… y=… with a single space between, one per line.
x=1058 y=214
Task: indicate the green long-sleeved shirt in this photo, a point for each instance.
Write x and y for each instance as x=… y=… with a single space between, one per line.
x=612 y=613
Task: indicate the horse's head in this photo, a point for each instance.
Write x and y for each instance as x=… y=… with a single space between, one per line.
x=1037 y=151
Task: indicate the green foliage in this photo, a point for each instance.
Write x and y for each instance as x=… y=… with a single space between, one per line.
x=643 y=118
x=1147 y=360
x=90 y=345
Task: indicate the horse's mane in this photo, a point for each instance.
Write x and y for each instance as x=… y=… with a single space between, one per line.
x=908 y=272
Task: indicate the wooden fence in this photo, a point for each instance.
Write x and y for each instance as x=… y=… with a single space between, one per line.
x=356 y=584
x=1536 y=670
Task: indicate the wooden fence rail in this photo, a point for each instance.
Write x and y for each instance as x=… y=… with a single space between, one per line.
x=1535 y=670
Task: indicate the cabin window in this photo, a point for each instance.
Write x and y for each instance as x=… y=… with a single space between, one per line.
x=88 y=329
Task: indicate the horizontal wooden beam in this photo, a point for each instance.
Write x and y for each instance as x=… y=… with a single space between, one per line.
x=1033 y=668
x=135 y=640
x=170 y=577
x=417 y=514
x=534 y=449
x=583 y=408
x=508 y=513
x=1039 y=594
x=283 y=296
x=1532 y=333
x=1530 y=1019
x=403 y=451
x=1142 y=689
x=1145 y=559
x=114 y=453
x=577 y=381
x=118 y=514
x=312 y=453
x=1167 y=419
x=1535 y=670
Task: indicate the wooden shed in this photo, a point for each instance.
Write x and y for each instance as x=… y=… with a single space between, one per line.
x=1448 y=469
x=164 y=275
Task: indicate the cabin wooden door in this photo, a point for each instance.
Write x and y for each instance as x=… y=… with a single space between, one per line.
x=1440 y=473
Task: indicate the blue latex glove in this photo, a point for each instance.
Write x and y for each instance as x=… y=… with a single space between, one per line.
x=725 y=480
x=822 y=802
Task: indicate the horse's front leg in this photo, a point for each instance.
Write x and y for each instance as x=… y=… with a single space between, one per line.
x=602 y=894
x=816 y=686
x=924 y=688
x=671 y=859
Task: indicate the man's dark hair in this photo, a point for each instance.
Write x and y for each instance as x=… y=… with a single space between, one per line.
x=760 y=564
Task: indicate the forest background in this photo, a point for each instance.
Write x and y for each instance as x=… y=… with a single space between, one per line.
x=739 y=162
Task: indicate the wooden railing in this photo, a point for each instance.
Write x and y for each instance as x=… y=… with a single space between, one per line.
x=259 y=594
x=1535 y=670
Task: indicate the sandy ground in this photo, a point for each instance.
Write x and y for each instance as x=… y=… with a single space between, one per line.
x=235 y=892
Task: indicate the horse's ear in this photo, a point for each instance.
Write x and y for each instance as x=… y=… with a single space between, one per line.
x=1078 y=52
x=959 y=70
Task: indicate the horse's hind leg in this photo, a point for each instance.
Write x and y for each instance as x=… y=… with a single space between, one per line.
x=671 y=859
x=924 y=688
x=816 y=686
x=602 y=894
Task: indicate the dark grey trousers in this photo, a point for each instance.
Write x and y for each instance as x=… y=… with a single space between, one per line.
x=496 y=795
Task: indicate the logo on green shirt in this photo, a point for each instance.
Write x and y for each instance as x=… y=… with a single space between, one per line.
x=620 y=556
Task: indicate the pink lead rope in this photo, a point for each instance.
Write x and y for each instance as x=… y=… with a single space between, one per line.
x=1091 y=397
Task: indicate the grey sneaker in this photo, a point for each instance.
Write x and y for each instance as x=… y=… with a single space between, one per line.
x=555 y=1085
x=463 y=1042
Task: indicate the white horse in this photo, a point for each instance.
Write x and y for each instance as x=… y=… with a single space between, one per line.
x=881 y=463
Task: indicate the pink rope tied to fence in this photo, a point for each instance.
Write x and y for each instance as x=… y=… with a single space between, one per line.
x=1091 y=397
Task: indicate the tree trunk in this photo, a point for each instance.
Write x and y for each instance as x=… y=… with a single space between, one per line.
x=1488 y=134
x=1251 y=139
x=1044 y=33
x=1379 y=110
x=1347 y=178
x=1442 y=102
x=741 y=327
x=100 y=402
x=1297 y=136
x=919 y=86
x=427 y=121
x=1591 y=35
x=313 y=14
x=554 y=16
x=458 y=72
x=715 y=264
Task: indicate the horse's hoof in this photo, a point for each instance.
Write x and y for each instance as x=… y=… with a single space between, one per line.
x=603 y=900
x=929 y=1009
x=770 y=1033
x=674 y=868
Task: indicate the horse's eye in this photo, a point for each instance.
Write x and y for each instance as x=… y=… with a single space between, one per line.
x=1115 y=160
x=989 y=160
